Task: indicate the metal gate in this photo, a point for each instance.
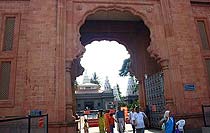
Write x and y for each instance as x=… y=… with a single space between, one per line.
x=154 y=91
x=26 y=124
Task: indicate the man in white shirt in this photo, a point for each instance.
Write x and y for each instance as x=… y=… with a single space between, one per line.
x=138 y=120
x=131 y=118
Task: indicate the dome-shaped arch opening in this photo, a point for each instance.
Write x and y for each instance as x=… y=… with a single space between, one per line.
x=127 y=28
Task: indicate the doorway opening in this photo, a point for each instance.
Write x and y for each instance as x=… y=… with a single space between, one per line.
x=130 y=31
x=101 y=77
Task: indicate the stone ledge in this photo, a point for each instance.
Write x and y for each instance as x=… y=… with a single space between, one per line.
x=205 y=129
x=62 y=124
x=198 y=130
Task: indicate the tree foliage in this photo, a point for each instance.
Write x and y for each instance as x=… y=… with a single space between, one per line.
x=95 y=79
x=75 y=86
x=134 y=104
x=125 y=67
x=122 y=103
x=119 y=92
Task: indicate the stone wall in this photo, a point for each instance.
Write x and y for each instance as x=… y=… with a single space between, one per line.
x=48 y=36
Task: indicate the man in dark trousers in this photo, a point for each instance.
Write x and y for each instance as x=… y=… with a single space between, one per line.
x=120 y=120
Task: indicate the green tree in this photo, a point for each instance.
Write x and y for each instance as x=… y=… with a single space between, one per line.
x=125 y=67
x=95 y=79
x=134 y=104
x=75 y=85
x=122 y=102
x=119 y=92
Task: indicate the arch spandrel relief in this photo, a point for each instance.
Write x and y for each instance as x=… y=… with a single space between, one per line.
x=143 y=11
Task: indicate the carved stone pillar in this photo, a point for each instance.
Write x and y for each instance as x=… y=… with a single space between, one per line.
x=167 y=85
x=76 y=70
x=69 y=98
x=167 y=19
x=142 y=95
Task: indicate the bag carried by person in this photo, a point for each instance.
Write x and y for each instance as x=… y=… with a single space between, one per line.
x=163 y=126
x=177 y=131
x=146 y=121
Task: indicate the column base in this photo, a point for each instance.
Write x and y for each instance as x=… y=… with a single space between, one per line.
x=205 y=129
x=62 y=127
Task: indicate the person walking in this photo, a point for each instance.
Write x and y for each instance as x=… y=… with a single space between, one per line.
x=101 y=122
x=106 y=119
x=120 y=118
x=168 y=123
x=111 y=123
x=147 y=112
x=180 y=126
x=86 y=126
x=131 y=117
x=138 y=120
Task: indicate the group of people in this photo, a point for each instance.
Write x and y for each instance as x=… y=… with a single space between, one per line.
x=168 y=124
x=138 y=120
x=107 y=121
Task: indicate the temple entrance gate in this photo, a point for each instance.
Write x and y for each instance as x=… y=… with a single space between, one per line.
x=42 y=43
x=135 y=32
x=155 y=100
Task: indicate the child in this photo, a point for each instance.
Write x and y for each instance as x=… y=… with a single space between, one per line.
x=180 y=125
x=86 y=127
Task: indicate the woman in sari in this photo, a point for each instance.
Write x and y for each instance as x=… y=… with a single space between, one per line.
x=168 y=123
x=101 y=121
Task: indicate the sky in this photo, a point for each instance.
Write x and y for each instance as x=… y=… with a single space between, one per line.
x=106 y=59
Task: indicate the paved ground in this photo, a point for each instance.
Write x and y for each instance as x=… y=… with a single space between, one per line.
x=128 y=128
x=95 y=130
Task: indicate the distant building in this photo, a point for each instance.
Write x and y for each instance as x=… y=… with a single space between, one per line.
x=107 y=86
x=132 y=93
x=116 y=94
x=89 y=95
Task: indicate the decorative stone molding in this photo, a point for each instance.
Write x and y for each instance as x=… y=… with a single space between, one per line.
x=79 y=7
x=157 y=44
x=167 y=85
x=164 y=64
x=85 y=14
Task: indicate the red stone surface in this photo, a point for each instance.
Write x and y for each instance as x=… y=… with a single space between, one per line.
x=48 y=39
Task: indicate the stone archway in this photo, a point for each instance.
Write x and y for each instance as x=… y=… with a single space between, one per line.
x=48 y=46
x=75 y=18
x=157 y=48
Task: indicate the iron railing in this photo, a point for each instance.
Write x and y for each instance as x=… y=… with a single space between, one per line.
x=206 y=115
x=27 y=124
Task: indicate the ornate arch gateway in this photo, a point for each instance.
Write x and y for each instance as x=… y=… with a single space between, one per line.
x=83 y=21
x=40 y=61
x=148 y=12
x=74 y=20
